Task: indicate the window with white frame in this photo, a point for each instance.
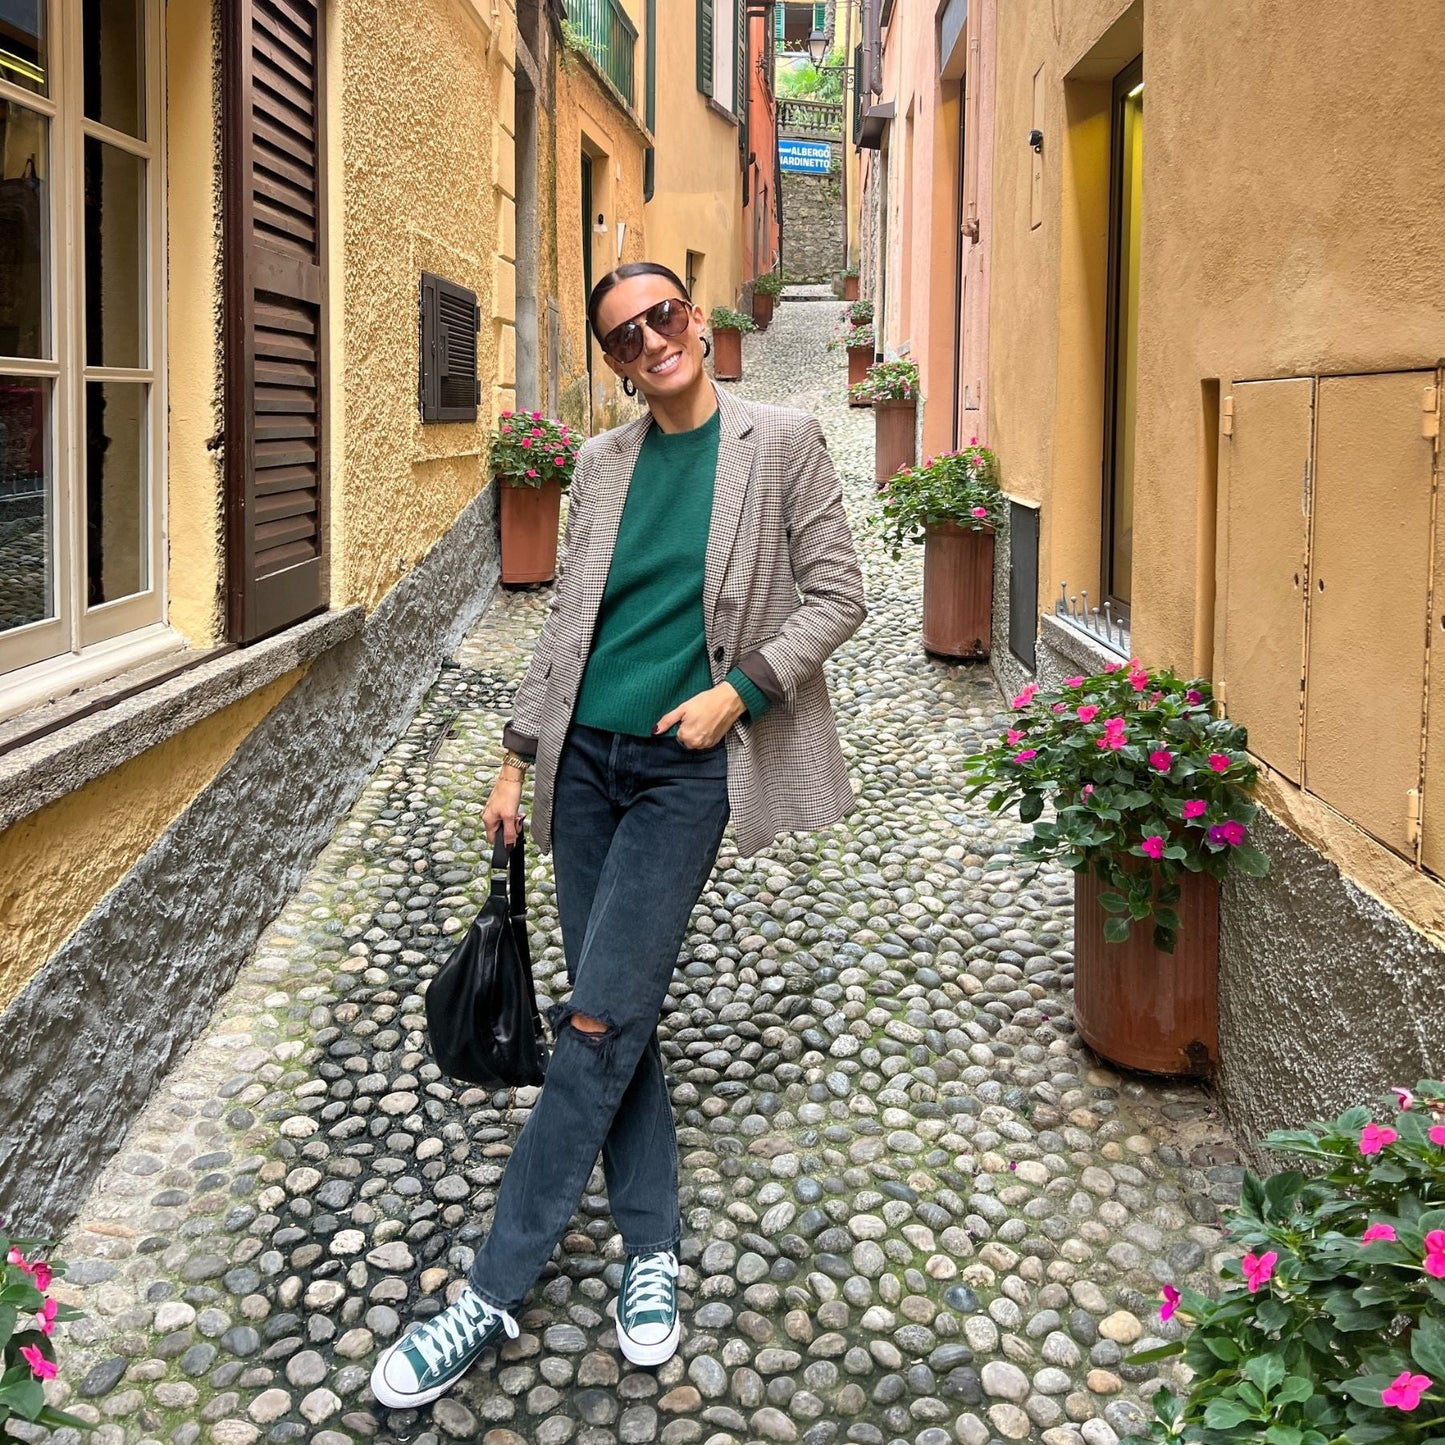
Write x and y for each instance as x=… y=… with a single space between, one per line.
x=81 y=443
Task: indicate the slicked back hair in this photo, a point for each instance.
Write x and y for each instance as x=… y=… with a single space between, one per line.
x=625 y=273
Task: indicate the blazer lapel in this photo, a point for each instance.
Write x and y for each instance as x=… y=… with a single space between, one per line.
x=734 y=469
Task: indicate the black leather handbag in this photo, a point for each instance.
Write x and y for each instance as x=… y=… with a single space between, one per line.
x=481 y=1008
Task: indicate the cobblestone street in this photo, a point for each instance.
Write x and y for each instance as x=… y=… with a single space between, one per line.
x=916 y=1209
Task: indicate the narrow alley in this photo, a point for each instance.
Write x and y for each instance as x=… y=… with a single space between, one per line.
x=915 y=1207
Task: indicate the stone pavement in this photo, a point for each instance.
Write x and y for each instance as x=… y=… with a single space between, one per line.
x=916 y=1209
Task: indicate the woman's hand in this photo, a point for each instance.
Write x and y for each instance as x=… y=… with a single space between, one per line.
x=703 y=720
x=504 y=807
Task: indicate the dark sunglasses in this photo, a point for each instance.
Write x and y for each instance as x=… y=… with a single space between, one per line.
x=667 y=318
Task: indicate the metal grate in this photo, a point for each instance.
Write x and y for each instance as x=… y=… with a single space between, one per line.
x=1100 y=623
x=609 y=35
x=1023 y=583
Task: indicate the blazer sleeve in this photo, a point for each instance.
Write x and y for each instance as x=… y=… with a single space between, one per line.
x=825 y=568
x=522 y=732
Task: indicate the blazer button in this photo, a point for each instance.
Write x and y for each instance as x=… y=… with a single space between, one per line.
x=717 y=654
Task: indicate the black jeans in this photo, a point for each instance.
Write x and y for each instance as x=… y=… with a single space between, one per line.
x=636 y=825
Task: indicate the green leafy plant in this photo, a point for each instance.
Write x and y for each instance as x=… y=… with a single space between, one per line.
x=859 y=313
x=574 y=43
x=1331 y=1327
x=527 y=449
x=724 y=318
x=770 y=283
x=888 y=381
x=850 y=272
x=1147 y=784
x=853 y=338
x=28 y=1316
x=801 y=80
x=959 y=487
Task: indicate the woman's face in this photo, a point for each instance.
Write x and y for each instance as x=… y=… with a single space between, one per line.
x=667 y=365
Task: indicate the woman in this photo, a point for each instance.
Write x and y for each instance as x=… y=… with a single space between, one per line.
x=708 y=571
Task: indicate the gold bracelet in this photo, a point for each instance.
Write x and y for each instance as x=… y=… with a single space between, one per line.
x=515 y=760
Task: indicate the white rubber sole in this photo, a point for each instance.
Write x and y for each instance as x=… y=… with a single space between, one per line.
x=393 y=1399
x=658 y=1354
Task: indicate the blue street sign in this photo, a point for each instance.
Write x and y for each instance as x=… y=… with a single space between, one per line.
x=812 y=157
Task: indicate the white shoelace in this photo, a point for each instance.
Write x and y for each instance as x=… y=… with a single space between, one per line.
x=457 y=1330
x=649 y=1285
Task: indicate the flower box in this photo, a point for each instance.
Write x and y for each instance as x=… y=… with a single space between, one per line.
x=530 y=516
x=860 y=358
x=957 y=591
x=895 y=437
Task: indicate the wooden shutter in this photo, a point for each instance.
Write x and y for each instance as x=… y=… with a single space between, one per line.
x=704 y=46
x=450 y=322
x=274 y=285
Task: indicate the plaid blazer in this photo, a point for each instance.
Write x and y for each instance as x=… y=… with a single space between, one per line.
x=782 y=589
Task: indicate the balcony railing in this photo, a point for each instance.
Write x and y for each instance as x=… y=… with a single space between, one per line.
x=610 y=36
x=809 y=117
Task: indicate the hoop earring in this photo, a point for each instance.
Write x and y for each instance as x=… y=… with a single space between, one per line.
x=706 y=347
x=628 y=386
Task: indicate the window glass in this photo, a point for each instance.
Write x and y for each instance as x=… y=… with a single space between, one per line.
x=114 y=256
x=114 y=64
x=24 y=231
x=117 y=523
x=23 y=57
x=27 y=503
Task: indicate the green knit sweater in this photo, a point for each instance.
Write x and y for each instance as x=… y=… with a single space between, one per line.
x=649 y=652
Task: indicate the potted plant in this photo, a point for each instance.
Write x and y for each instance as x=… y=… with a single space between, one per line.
x=891 y=389
x=532 y=458
x=727 y=342
x=855 y=335
x=765 y=293
x=28 y=1316
x=1331 y=1325
x=953 y=506
x=850 y=283
x=1151 y=794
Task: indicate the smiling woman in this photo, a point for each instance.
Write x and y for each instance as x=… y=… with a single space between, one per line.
x=709 y=562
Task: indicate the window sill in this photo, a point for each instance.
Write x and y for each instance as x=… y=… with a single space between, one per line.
x=1080 y=646
x=721 y=110
x=109 y=725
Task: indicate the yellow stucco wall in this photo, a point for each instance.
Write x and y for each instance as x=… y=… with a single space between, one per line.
x=698 y=196
x=57 y=864
x=587 y=115
x=421 y=89
x=1285 y=232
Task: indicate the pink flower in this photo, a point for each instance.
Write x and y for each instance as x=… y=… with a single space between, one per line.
x=1195 y=808
x=44 y=1369
x=506 y=414
x=1437 y=1135
x=45 y=1317
x=1014 y=737
x=1112 y=666
x=1138 y=678
x=1113 y=738
x=1073 y=682
x=1435 y=1253
x=1088 y=790
x=507 y=431
x=1378 y=1231
x=1026 y=696
x=1231 y=833
x=1219 y=762
x=1258 y=1268
x=979 y=512
x=1088 y=712
x=1405 y=1391
x=1161 y=761
x=1193 y=697
x=1152 y=846
x=973 y=441
x=1406 y=1098
x=42 y=1274
x=1057 y=707
x=526 y=441
x=1374 y=1137
x=1027 y=755
x=536 y=416
x=1172 y=1300
x=16 y=1258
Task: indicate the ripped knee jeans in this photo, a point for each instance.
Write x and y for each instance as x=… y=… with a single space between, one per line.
x=636 y=828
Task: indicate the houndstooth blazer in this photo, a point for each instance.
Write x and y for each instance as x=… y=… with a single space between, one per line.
x=782 y=589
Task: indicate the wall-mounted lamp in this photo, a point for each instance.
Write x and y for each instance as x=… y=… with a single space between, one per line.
x=1036 y=141
x=599 y=227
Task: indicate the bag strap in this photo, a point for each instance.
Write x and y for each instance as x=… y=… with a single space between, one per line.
x=509 y=866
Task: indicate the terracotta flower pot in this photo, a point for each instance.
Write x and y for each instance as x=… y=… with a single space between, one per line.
x=763 y=308
x=727 y=354
x=957 y=591
x=529 y=531
x=894 y=437
x=850 y=288
x=1140 y=1008
x=860 y=358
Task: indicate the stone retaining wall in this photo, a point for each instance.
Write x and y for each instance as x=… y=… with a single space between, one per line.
x=812 y=226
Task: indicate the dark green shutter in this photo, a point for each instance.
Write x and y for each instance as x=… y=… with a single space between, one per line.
x=704 y=46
